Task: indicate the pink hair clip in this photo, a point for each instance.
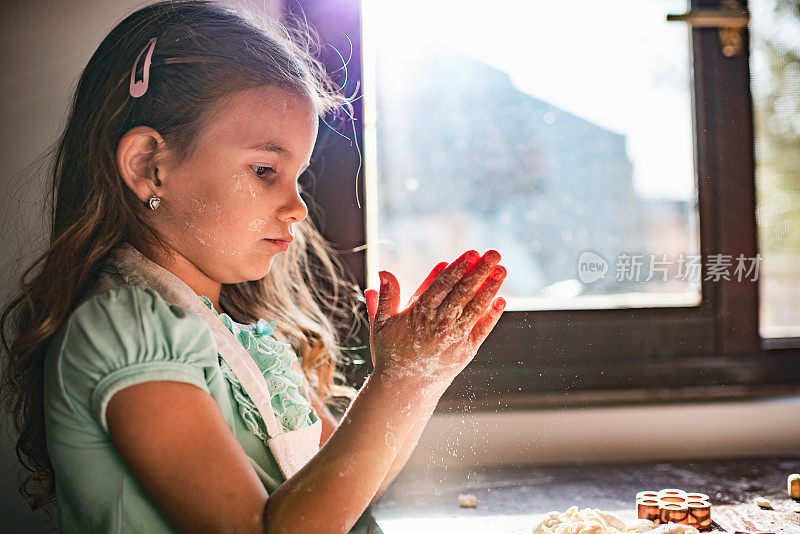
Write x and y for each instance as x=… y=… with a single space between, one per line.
x=137 y=89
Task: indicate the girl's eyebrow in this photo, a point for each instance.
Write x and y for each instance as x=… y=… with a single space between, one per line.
x=271 y=146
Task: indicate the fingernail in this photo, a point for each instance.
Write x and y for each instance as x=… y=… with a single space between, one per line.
x=500 y=304
x=498 y=273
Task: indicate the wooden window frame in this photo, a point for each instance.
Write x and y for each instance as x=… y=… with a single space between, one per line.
x=550 y=352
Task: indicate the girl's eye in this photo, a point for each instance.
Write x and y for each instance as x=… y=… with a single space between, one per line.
x=262 y=171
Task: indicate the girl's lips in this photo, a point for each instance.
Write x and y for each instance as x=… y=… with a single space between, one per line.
x=287 y=238
x=279 y=243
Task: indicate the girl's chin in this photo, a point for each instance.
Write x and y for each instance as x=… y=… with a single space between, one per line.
x=259 y=266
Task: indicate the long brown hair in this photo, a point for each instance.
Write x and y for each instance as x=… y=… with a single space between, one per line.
x=204 y=52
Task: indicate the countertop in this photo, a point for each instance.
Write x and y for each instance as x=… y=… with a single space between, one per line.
x=513 y=499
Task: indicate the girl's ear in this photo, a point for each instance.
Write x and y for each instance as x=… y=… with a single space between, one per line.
x=135 y=161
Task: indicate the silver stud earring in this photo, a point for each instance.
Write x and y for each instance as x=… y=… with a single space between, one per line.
x=153 y=202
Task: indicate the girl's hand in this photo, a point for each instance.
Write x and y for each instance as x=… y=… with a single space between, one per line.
x=446 y=320
x=371 y=296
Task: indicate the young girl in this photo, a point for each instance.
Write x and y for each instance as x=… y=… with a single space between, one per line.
x=150 y=393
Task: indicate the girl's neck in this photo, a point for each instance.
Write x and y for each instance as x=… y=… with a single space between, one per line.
x=188 y=273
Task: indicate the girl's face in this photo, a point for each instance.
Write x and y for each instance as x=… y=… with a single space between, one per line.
x=240 y=186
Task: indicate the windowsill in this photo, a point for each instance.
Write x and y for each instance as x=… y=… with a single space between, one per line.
x=559 y=379
x=670 y=429
x=632 y=299
x=780 y=343
x=617 y=397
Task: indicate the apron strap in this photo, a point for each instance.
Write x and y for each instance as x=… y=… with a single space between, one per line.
x=292 y=450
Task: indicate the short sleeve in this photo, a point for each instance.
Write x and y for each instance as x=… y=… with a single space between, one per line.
x=126 y=336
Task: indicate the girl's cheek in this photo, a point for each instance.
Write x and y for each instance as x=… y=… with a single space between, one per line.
x=242 y=187
x=199 y=224
x=252 y=190
x=238 y=183
x=248 y=200
x=201 y=220
x=257 y=226
x=226 y=217
x=206 y=209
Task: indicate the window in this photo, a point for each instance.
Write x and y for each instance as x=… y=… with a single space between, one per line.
x=652 y=155
x=558 y=159
x=775 y=79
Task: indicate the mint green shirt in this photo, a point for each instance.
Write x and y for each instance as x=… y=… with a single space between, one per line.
x=124 y=336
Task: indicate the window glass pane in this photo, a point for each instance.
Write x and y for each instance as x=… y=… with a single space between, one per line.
x=775 y=82
x=562 y=141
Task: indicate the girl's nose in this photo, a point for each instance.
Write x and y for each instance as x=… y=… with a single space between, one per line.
x=295 y=208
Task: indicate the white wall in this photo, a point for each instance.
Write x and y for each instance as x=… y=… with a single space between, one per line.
x=45 y=45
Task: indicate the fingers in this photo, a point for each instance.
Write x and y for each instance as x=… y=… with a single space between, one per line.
x=464 y=291
x=486 y=323
x=371 y=296
x=441 y=286
x=388 y=299
x=477 y=306
x=438 y=268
